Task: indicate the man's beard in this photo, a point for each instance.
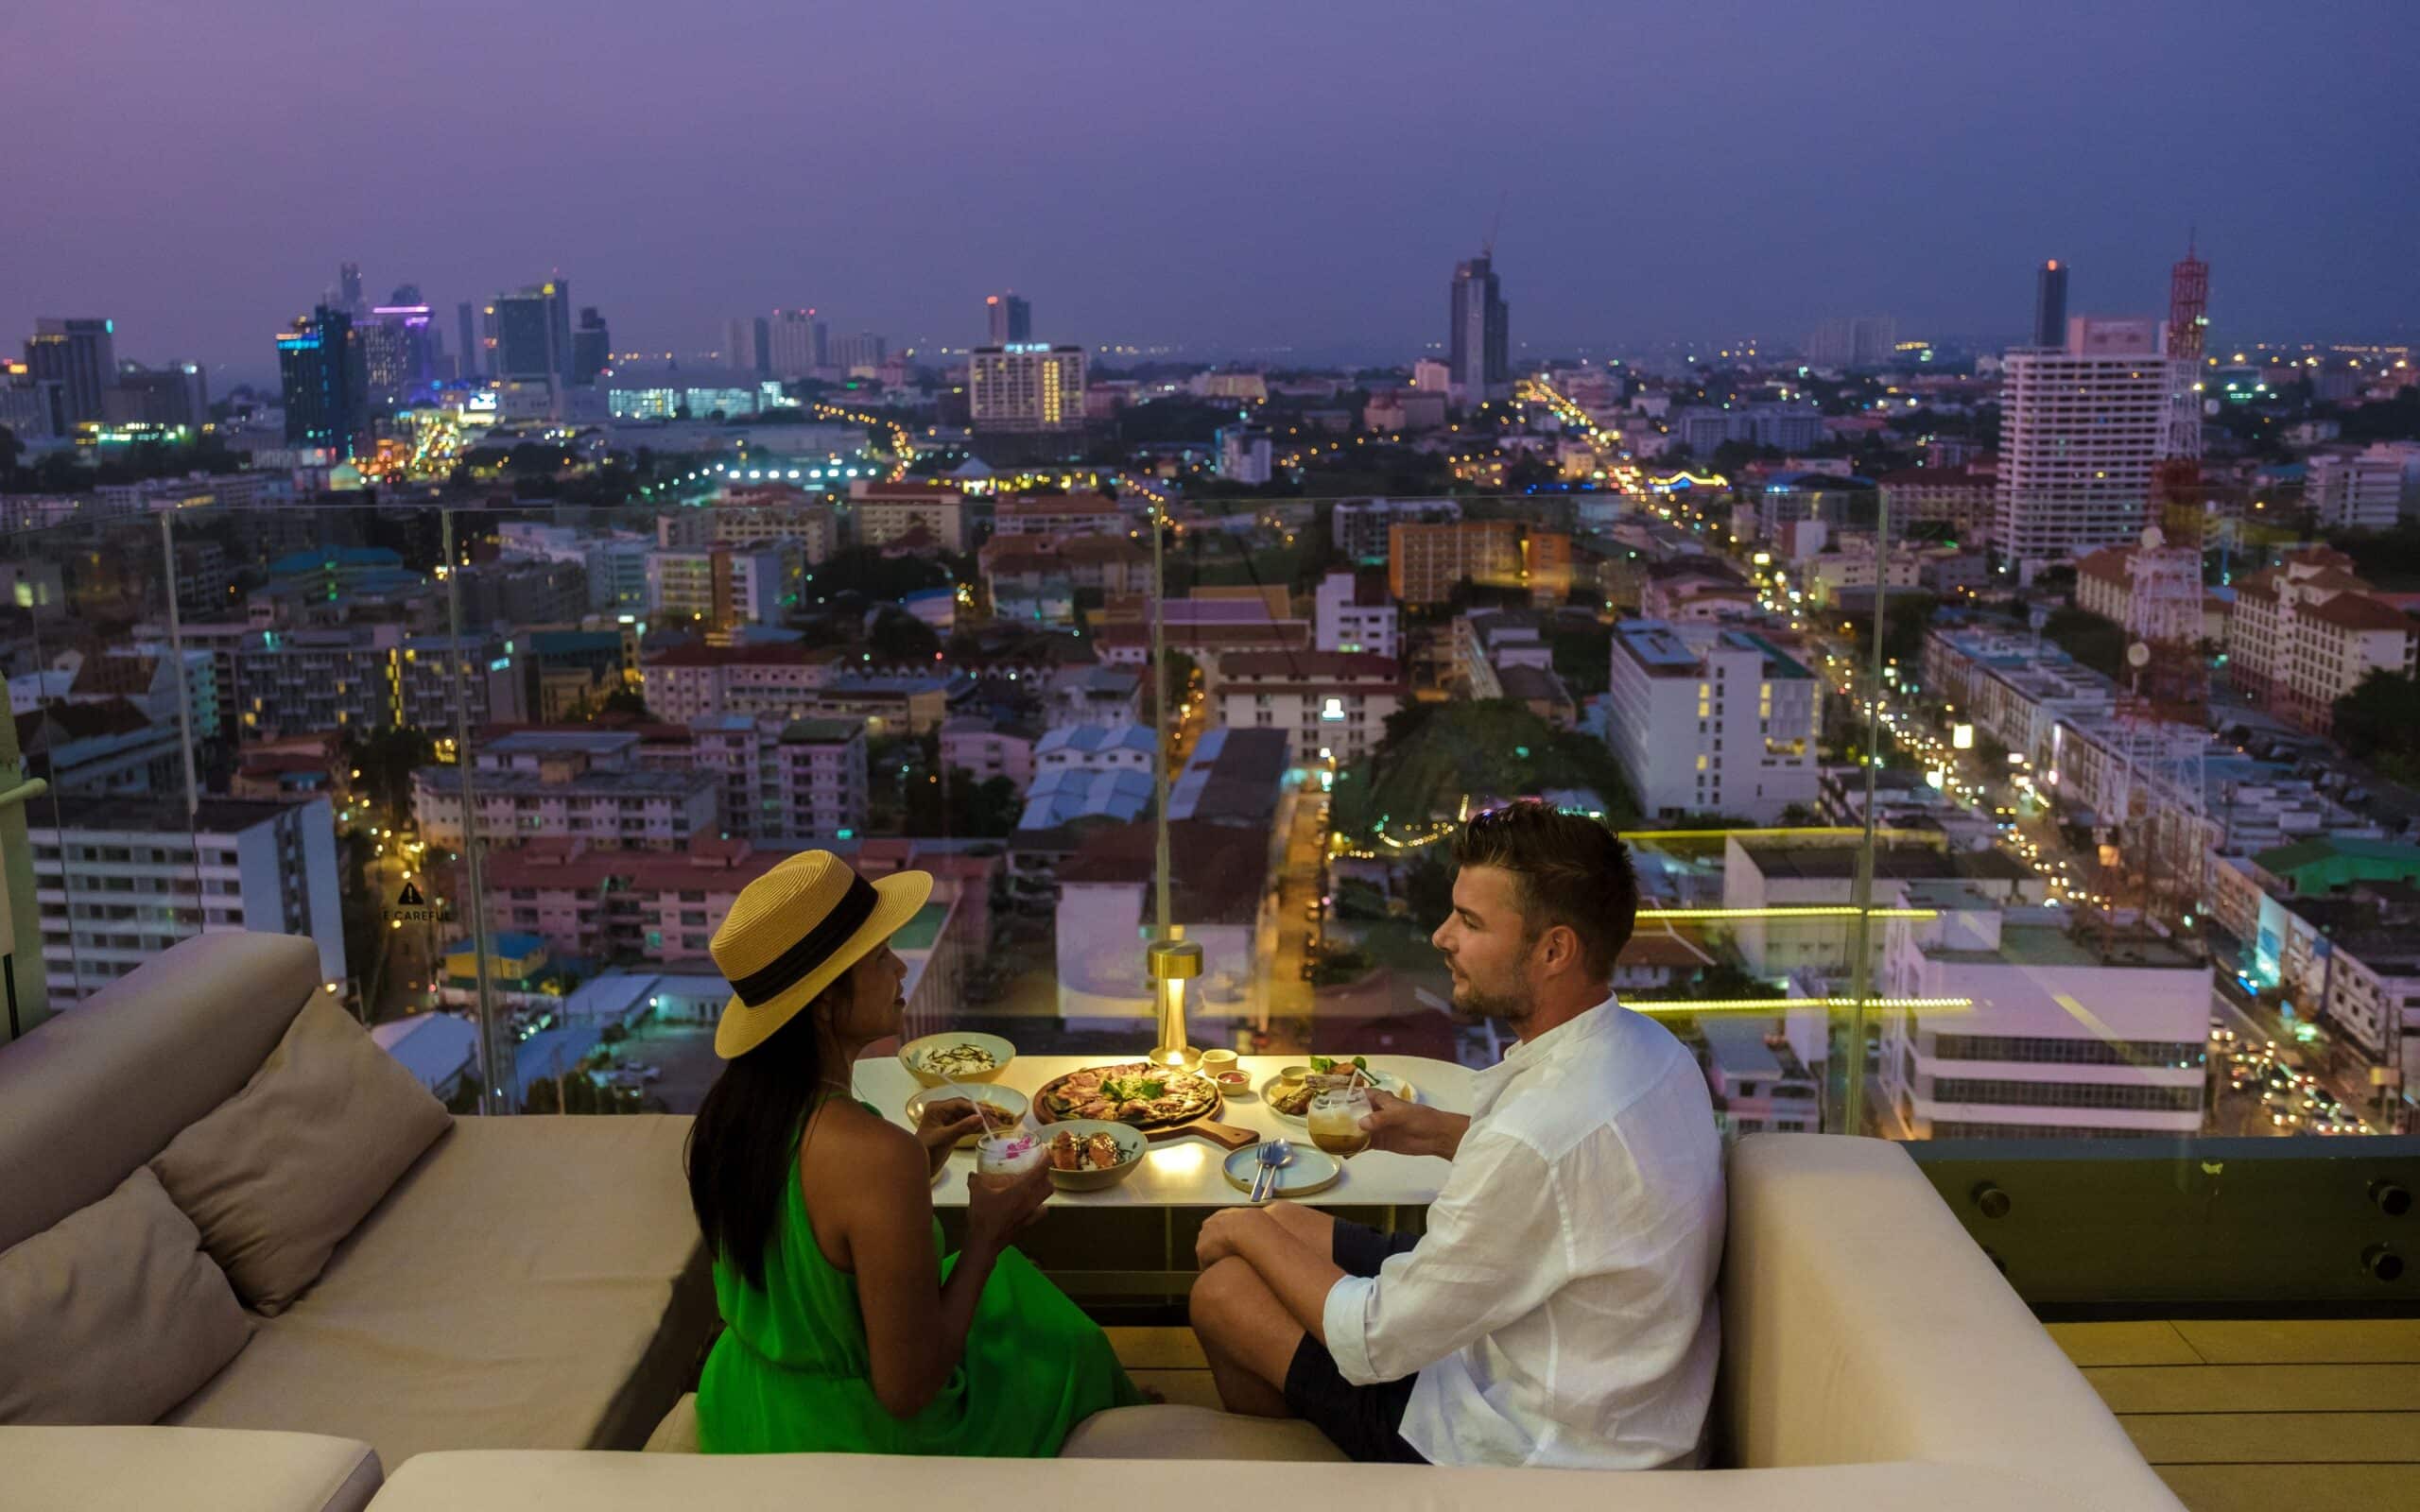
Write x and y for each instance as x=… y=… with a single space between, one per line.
x=1504 y=1007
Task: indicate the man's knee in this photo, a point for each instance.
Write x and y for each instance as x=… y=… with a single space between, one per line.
x=1222 y=1294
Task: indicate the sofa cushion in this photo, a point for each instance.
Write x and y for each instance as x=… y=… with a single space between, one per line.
x=1177 y=1432
x=279 y=1173
x=158 y=1048
x=532 y=1283
x=1860 y=1323
x=114 y=1315
x=193 y=1469
x=678 y=1433
x=786 y=1483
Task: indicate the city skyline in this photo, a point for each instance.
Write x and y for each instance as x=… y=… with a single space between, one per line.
x=1645 y=210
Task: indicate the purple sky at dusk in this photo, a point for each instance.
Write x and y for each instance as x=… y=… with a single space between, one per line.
x=1234 y=175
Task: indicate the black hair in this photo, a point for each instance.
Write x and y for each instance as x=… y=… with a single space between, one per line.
x=1571 y=870
x=746 y=1131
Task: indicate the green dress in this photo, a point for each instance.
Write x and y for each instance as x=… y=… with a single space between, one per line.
x=791 y=1372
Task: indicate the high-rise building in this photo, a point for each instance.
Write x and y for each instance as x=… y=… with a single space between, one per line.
x=748 y=345
x=396 y=350
x=176 y=395
x=1866 y=341
x=349 y=289
x=78 y=356
x=534 y=334
x=2079 y=436
x=592 y=346
x=469 y=362
x=2050 y=304
x=800 y=344
x=863 y=350
x=1478 y=352
x=122 y=879
x=1011 y=319
x=1705 y=719
x=325 y=381
x=1026 y=387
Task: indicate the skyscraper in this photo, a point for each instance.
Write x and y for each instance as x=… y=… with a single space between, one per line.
x=1026 y=387
x=395 y=348
x=2050 y=304
x=800 y=344
x=466 y=321
x=748 y=345
x=78 y=356
x=325 y=381
x=1477 y=351
x=864 y=350
x=1011 y=317
x=2081 y=434
x=534 y=334
x=349 y=288
x=592 y=346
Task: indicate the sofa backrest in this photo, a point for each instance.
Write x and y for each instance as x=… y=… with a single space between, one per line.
x=1861 y=1324
x=97 y=1091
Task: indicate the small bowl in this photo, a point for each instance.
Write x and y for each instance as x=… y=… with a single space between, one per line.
x=1215 y=1061
x=1130 y=1144
x=1292 y=1075
x=911 y=1055
x=1233 y=1085
x=1006 y=1097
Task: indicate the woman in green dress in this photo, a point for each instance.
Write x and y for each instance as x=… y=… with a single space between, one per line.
x=847 y=1328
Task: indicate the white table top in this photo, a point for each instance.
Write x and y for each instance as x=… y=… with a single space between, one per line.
x=1184 y=1171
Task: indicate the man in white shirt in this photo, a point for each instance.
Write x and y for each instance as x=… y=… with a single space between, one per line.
x=1560 y=1310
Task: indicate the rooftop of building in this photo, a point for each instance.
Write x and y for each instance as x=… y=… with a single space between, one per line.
x=2077 y=942
x=2320 y=849
x=558 y=743
x=820 y=731
x=1779 y=858
x=591 y=783
x=1233 y=779
x=1531 y=684
x=1093 y=740
x=1216 y=871
x=1667 y=650
x=154 y=816
x=1064 y=795
x=1308 y=667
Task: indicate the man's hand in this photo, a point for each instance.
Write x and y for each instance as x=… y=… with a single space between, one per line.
x=943 y=1123
x=1223 y=1234
x=1412 y=1129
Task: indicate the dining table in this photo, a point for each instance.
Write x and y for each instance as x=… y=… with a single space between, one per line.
x=1134 y=1241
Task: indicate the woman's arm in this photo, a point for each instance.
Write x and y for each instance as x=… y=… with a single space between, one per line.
x=915 y=1323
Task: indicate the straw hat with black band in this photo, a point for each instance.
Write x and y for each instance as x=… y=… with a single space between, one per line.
x=793 y=931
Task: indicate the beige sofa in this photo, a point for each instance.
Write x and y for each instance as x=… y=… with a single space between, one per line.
x=1873 y=1358
x=528 y=1283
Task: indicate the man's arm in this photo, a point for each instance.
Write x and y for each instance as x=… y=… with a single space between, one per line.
x=1493 y=1251
x=1413 y=1128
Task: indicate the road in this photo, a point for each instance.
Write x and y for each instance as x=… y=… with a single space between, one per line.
x=1299 y=883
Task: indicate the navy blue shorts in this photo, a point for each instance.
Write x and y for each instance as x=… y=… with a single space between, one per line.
x=1364 y=1421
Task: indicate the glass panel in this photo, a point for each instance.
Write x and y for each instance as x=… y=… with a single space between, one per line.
x=665 y=652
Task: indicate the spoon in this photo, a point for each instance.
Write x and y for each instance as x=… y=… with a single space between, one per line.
x=1281 y=1153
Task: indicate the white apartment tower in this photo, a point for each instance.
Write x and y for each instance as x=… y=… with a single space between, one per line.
x=1705 y=719
x=2081 y=435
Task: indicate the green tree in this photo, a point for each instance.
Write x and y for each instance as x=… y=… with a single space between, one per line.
x=2374 y=723
x=899 y=636
x=2097 y=642
x=625 y=700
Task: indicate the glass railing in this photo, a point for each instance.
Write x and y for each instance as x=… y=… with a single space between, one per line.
x=508 y=747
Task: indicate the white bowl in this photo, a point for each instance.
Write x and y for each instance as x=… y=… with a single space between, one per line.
x=911 y=1055
x=1130 y=1144
x=1006 y=1097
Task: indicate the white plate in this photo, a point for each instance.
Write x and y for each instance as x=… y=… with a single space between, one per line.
x=1311 y=1169
x=1386 y=1081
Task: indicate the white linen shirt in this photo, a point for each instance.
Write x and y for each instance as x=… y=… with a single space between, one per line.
x=1560 y=1310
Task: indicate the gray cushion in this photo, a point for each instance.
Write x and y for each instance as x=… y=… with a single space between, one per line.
x=101 y=1088
x=114 y=1315
x=192 y=1470
x=1177 y=1432
x=280 y=1173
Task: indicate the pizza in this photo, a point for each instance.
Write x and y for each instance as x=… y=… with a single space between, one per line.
x=1137 y=1094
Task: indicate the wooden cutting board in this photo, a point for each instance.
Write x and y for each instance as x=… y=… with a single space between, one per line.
x=1226 y=1135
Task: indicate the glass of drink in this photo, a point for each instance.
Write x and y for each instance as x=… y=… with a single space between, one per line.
x=1008 y=1155
x=1335 y=1118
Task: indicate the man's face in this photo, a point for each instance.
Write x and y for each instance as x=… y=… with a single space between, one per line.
x=1485 y=943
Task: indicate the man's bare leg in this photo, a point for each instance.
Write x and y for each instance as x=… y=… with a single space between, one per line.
x=1315 y=1228
x=1247 y=1335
